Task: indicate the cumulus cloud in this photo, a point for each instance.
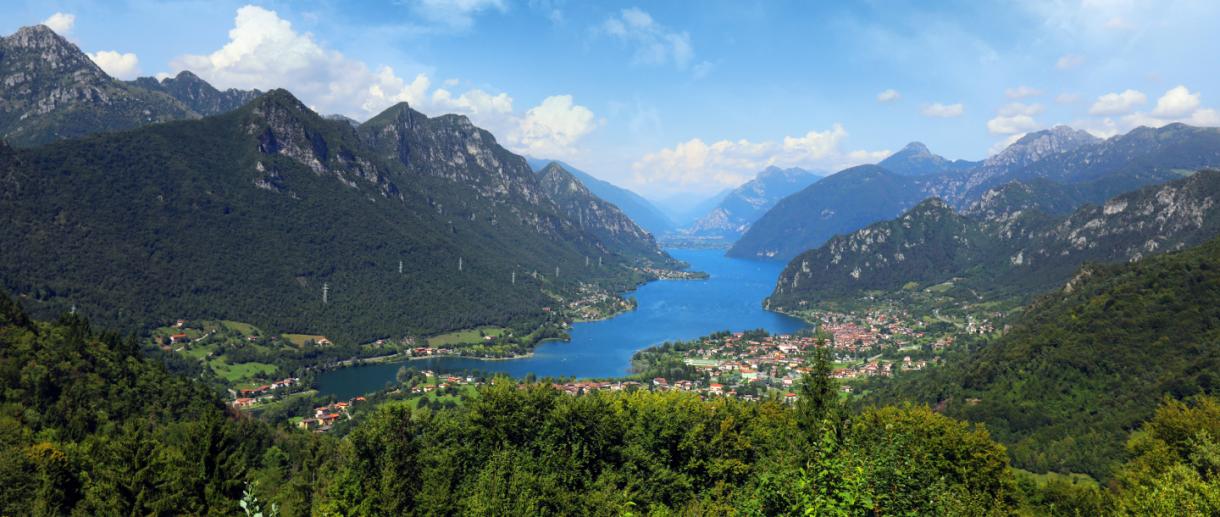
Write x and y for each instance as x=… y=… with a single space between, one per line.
x=698 y=165
x=889 y=95
x=655 y=44
x=117 y=64
x=1014 y=118
x=552 y=127
x=264 y=51
x=1178 y=104
x=1022 y=92
x=61 y=23
x=1069 y=61
x=1118 y=103
x=938 y=110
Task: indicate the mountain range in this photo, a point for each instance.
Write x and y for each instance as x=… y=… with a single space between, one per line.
x=1073 y=164
x=1004 y=245
x=411 y=224
x=743 y=205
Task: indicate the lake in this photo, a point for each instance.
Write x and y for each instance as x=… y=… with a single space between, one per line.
x=668 y=310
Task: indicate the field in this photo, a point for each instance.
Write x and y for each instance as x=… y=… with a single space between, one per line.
x=301 y=339
x=463 y=337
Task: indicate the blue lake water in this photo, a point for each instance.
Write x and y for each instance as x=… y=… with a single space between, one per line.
x=668 y=310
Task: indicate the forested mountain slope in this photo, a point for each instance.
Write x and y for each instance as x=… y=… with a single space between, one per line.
x=248 y=215
x=591 y=213
x=1005 y=245
x=640 y=210
x=1086 y=363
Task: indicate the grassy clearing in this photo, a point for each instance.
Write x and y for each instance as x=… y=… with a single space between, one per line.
x=300 y=339
x=465 y=337
x=241 y=371
x=246 y=329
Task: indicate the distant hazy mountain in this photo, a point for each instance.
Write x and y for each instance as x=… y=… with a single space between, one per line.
x=743 y=205
x=1005 y=245
x=1070 y=166
x=839 y=203
x=197 y=94
x=51 y=91
x=916 y=160
x=640 y=210
x=685 y=208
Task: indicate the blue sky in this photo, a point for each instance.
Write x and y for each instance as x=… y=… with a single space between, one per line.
x=690 y=97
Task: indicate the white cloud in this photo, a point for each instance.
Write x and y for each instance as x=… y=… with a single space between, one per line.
x=265 y=52
x=1003 y=144
x=552 y=127
x=474 y=102
x=888 y=95
x=700 y=166
x=1176 y=102
x=455 y=14
x=61 y=23
x=938 y=110
x=1022 y=92
x=1014 y=118
x=1118 y=103
x=655 y=44
x=117 y=64
x=1069 y=61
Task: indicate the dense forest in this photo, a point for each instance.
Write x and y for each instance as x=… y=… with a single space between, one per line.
x=90 y=427
x=248 y=215
x=1071 y=379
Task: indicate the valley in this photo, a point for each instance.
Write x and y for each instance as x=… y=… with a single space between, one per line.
x=398 y=260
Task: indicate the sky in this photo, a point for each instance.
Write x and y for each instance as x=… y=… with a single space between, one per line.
x=688 y=98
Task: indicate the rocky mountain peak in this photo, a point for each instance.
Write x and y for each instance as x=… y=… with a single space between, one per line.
x=1040 y=144
x=915 y=149
x=39 y=49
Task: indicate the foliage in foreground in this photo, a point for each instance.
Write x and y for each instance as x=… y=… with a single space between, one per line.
x=89 y=427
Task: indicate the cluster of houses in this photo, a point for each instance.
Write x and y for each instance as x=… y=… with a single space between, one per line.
x=247 y=397
x=593 y=302
x=856 y=334
x=324 y=417
x=878 y=368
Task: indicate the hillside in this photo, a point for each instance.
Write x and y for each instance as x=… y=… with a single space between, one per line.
x=413 y=224
x=54 y=91
x=839 y=203
x=743 y=205
x=1067 y=384
x=640 y=210
x=595 y=215
x=1005 y=246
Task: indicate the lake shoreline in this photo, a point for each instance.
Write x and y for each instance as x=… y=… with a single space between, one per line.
x=730 y=298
